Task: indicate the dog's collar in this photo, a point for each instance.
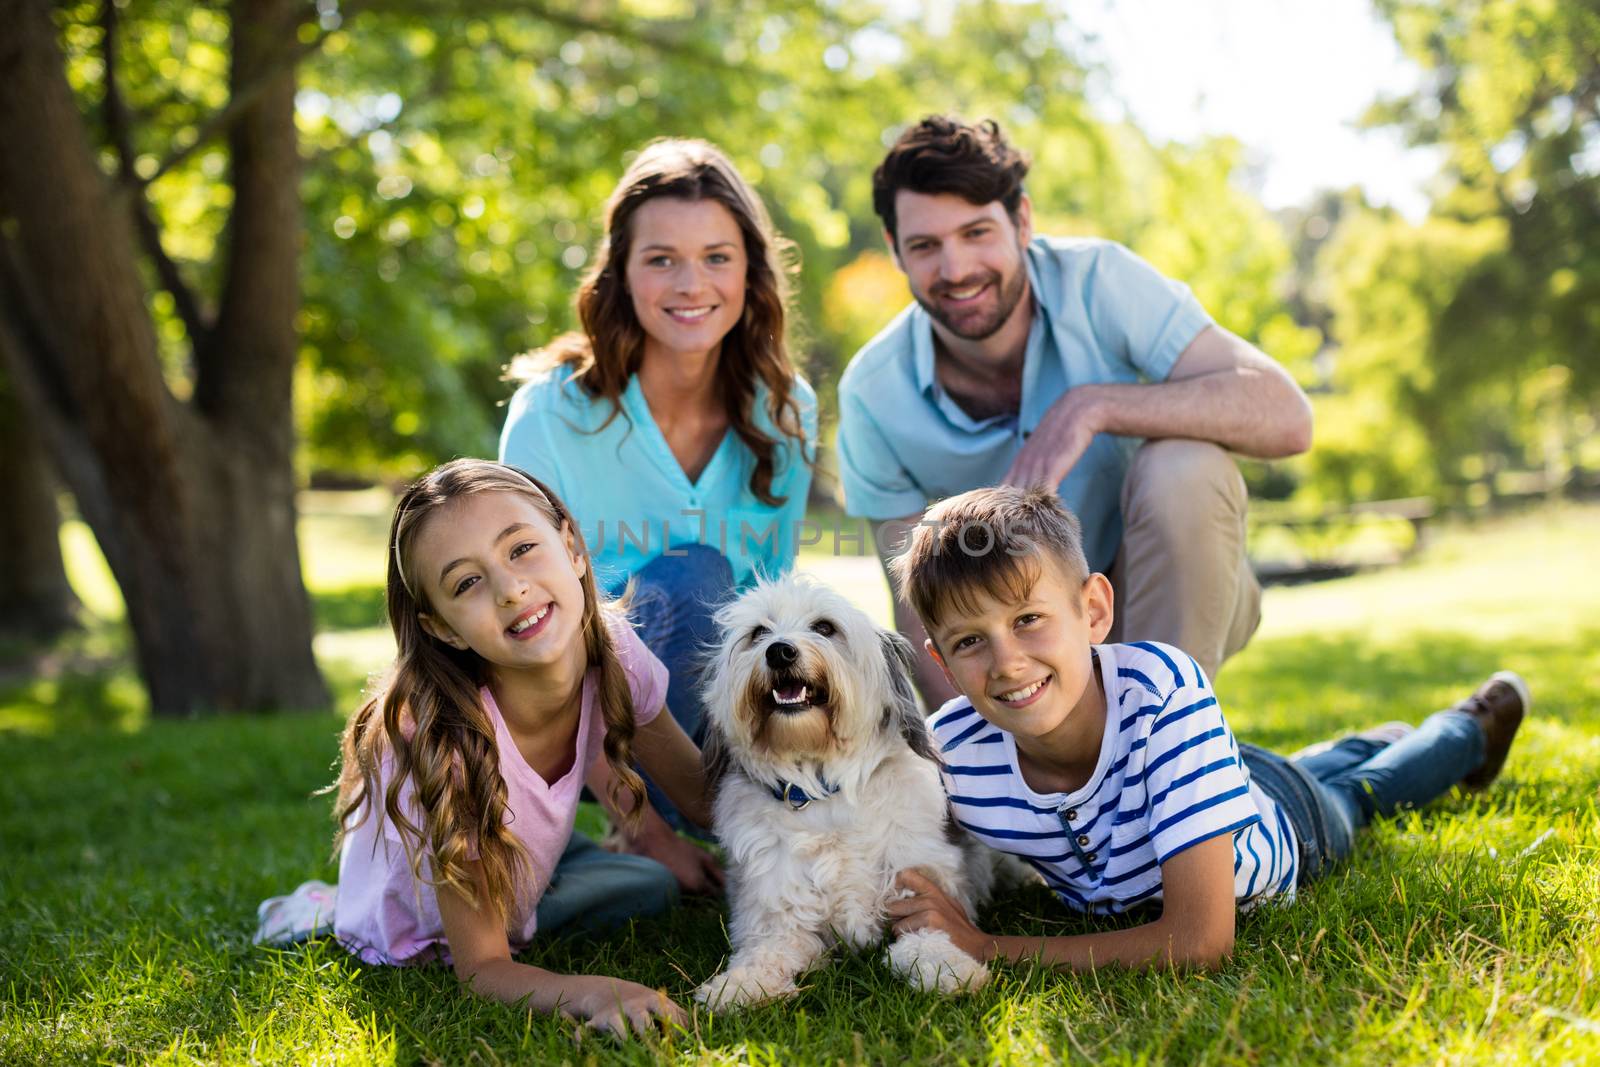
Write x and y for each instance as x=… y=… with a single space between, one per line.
x=796 y=797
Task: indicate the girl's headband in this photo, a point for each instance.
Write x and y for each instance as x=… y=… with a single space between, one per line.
x=556 y=509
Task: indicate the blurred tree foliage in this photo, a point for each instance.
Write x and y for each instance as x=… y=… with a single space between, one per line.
x=1471 y=341
x=1384 y=430
x=459 y=155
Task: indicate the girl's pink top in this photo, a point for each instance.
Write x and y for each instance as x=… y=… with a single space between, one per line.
x=384 y=915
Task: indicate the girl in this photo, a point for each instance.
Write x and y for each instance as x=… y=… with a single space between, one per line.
x=675 y=422
x=460 y=779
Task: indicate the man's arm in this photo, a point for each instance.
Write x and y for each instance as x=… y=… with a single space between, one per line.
x=1221 y=389
x=930 y=680
x=1196 y=927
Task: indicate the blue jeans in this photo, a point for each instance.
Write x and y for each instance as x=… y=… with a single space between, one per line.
x=1331 y=795
x=593 y=890
x=674 y=599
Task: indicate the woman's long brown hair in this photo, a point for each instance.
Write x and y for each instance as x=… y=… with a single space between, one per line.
x=609 y=350
x=428 y=717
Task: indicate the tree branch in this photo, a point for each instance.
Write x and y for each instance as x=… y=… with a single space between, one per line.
x=36 y=355
x=119 y=130
x=242 y=100
x=244 y=376
x=37 y=372
x=620 y=29
x=70 y=269
x=220 y=120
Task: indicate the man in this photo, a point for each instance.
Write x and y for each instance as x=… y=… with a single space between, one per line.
x=1067 y=363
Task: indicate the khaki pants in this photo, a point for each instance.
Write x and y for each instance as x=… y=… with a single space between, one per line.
x=1181 y=576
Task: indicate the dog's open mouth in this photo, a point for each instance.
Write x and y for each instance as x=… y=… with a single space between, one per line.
x=791 y=694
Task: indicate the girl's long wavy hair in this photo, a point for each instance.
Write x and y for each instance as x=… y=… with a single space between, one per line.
x=609 y=350
x=427 y=716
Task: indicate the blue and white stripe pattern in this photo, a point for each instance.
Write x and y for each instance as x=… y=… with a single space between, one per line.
x=1169 y=777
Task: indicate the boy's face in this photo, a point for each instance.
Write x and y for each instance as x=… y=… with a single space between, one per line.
x=1026 y=666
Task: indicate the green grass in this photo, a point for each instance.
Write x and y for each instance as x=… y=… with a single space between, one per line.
x=135 y=852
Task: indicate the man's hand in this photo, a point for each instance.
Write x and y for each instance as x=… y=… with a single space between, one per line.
x=1058 y=442
x=1221 y=389
x=931 y=908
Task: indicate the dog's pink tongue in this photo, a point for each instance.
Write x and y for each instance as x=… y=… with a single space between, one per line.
x=790 y=694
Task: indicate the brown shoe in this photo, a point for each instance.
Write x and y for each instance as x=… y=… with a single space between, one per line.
x=1498 y=705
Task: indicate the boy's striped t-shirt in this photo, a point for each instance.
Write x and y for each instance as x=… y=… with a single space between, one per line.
x=1169 y=776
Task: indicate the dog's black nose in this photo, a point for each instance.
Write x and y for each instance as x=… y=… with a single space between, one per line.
x=781 y=654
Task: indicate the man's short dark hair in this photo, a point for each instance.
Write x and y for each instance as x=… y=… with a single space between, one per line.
x=942 y=154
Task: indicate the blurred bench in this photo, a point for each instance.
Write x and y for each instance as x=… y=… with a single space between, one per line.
x=1289 y=545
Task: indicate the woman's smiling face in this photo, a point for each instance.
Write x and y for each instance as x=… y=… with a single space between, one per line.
x=686 y=274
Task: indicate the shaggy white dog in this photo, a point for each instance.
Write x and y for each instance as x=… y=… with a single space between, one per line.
x=826 y=787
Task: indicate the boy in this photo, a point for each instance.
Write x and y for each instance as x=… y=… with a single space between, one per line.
x=1110 y=768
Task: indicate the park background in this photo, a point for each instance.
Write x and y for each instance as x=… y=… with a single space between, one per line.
x=262 y=261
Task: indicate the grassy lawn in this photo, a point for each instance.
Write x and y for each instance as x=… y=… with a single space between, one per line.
x=135 y=853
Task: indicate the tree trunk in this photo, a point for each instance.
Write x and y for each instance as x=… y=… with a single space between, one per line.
x=193 y=504
x=36 y=601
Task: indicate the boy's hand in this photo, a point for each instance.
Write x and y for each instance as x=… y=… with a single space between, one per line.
x=931 y=908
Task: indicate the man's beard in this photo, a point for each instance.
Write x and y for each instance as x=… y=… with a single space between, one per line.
x=1009 y=294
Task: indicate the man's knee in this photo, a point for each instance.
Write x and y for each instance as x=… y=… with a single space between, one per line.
x=1179 y=477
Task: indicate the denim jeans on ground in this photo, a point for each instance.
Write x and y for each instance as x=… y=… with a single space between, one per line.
x=594 y=890
x=1330 y=795
x=674 y=599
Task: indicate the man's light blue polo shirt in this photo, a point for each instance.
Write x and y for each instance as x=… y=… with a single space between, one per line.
x=631 y=498
x=1101 y=314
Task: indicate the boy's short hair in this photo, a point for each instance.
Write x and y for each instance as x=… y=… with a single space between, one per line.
x=992 y=541
x=942 y=154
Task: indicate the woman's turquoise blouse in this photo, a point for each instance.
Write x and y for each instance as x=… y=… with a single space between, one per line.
x=631 y=498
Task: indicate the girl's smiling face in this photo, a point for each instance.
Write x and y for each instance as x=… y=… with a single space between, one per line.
x=500 y=580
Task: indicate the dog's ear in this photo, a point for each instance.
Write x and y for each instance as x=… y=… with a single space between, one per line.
x=902 y=713
x=715 y=760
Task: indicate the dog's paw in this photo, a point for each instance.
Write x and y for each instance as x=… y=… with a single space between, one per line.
x=742 y=987
x=862 y=935
x=931 y=962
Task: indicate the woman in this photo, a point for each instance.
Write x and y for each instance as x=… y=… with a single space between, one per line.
x=674 y=424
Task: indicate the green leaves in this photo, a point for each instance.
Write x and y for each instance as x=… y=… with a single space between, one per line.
x=1473 y=333
x=457 y=159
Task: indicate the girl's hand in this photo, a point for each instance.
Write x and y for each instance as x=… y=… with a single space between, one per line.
x=696 y=870
x=931 y=908
x=613 y=1006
